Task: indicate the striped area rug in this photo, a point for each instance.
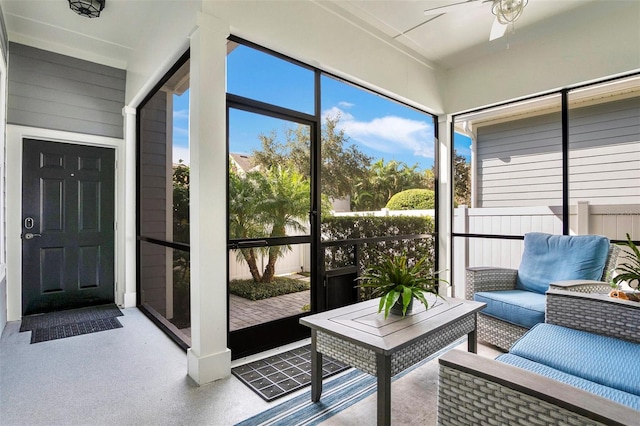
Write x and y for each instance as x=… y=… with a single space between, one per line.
x=337 y=395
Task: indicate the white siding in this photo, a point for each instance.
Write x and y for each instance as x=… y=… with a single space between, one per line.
x=519 y=162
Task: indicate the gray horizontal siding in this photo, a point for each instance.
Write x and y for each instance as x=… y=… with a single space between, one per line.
x=53 y=91
x=155 y=201
x=154 y=167
x=520 y=162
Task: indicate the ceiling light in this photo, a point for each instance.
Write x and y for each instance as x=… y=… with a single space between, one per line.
x=508 y=11
x=88 y=8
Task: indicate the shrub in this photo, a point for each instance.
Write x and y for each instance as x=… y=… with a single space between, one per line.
x=418 y=242
x=412 y=199
x=249 y=289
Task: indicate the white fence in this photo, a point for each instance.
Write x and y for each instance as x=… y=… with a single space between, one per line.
x=613 y=221
x=297 y=259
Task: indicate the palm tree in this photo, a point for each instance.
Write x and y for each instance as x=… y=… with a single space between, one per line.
x=267 y=205
x=246 y=220
x=287 y=206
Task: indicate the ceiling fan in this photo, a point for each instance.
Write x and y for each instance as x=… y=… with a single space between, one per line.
x=506 y=12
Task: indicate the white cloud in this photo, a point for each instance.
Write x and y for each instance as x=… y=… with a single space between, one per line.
x=181 y=131
x=345 y=104
x=335 y=112
x=180 y=114
x=389 y=134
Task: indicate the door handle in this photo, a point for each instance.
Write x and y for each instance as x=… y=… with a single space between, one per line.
x=29 y=236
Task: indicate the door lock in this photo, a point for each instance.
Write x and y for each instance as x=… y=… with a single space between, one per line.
x=28 y=223
x=29 y=236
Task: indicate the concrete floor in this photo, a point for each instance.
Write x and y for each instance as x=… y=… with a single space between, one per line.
x=133 y=375
x=136 y=376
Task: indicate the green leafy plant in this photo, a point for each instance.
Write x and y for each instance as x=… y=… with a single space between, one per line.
x=395 y=280
x=412 y=199
x=630 y=268
x=252 y=290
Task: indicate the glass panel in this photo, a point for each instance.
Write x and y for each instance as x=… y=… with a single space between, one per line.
x=516 y=164
x=462 y=176
x=164 y=161
x=257 y=75
x=164 y=285
x=253 y=299
x=604 y=159
x=472 y=252
x=269 y=183
x=372 y=149
x=376 y=180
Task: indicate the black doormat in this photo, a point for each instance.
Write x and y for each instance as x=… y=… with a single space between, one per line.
x=281 y=374
x=73 y=322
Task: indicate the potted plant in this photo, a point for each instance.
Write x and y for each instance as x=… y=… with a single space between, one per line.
x=397 y=284
x=630 y=269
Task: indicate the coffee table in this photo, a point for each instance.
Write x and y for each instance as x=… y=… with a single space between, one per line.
x=359 y=336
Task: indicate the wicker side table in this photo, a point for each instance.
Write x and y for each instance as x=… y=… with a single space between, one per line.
x=362 y=338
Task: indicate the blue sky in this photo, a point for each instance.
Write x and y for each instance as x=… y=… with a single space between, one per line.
x=379 y=127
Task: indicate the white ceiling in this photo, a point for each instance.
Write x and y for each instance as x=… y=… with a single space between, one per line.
x=458 y=37
x=447 y=41
x=109 y=39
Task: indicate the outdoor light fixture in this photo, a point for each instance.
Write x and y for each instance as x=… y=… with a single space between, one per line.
x=508 y=11
x=88 y=8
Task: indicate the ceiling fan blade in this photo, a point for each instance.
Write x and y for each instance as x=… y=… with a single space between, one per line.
x=497 y=30
x=453 y=7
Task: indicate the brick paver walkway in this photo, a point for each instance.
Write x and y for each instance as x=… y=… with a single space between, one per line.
x=245 y=313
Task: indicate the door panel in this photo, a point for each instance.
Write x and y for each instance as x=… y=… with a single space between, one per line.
x=68 y=226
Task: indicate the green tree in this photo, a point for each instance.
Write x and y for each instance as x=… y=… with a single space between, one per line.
x=266 y=204
x=385 y=180
x=342 y=163
x=461 y=179
x=181 y=202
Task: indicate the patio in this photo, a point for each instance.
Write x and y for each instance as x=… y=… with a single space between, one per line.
x=68 y=80
x=136 y=375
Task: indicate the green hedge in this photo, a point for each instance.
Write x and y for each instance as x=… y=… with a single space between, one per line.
x=258 y=291
x=346 y=228
x=412 y=199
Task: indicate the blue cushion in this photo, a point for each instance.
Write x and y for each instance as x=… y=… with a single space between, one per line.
x=604 y=360
x=616 y=395
x=547 y=258
x=519 y=307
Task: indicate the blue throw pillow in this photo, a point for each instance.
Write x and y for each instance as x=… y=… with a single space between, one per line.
x=548 y=258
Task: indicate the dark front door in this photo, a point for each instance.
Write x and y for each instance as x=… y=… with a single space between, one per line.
x=67 y=226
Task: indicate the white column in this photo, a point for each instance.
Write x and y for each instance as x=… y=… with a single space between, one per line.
x=129 y=246
x=208 y=358
x=445 y=144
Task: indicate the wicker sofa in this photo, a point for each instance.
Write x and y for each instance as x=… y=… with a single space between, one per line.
x=476 y=390
x=503 y=332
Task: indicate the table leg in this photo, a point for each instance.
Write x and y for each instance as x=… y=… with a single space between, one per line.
x=472 y=341
x=384 y=389
x=316 y=369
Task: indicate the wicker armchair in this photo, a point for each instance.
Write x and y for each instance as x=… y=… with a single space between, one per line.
x=503 y=334
x=477 y=390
